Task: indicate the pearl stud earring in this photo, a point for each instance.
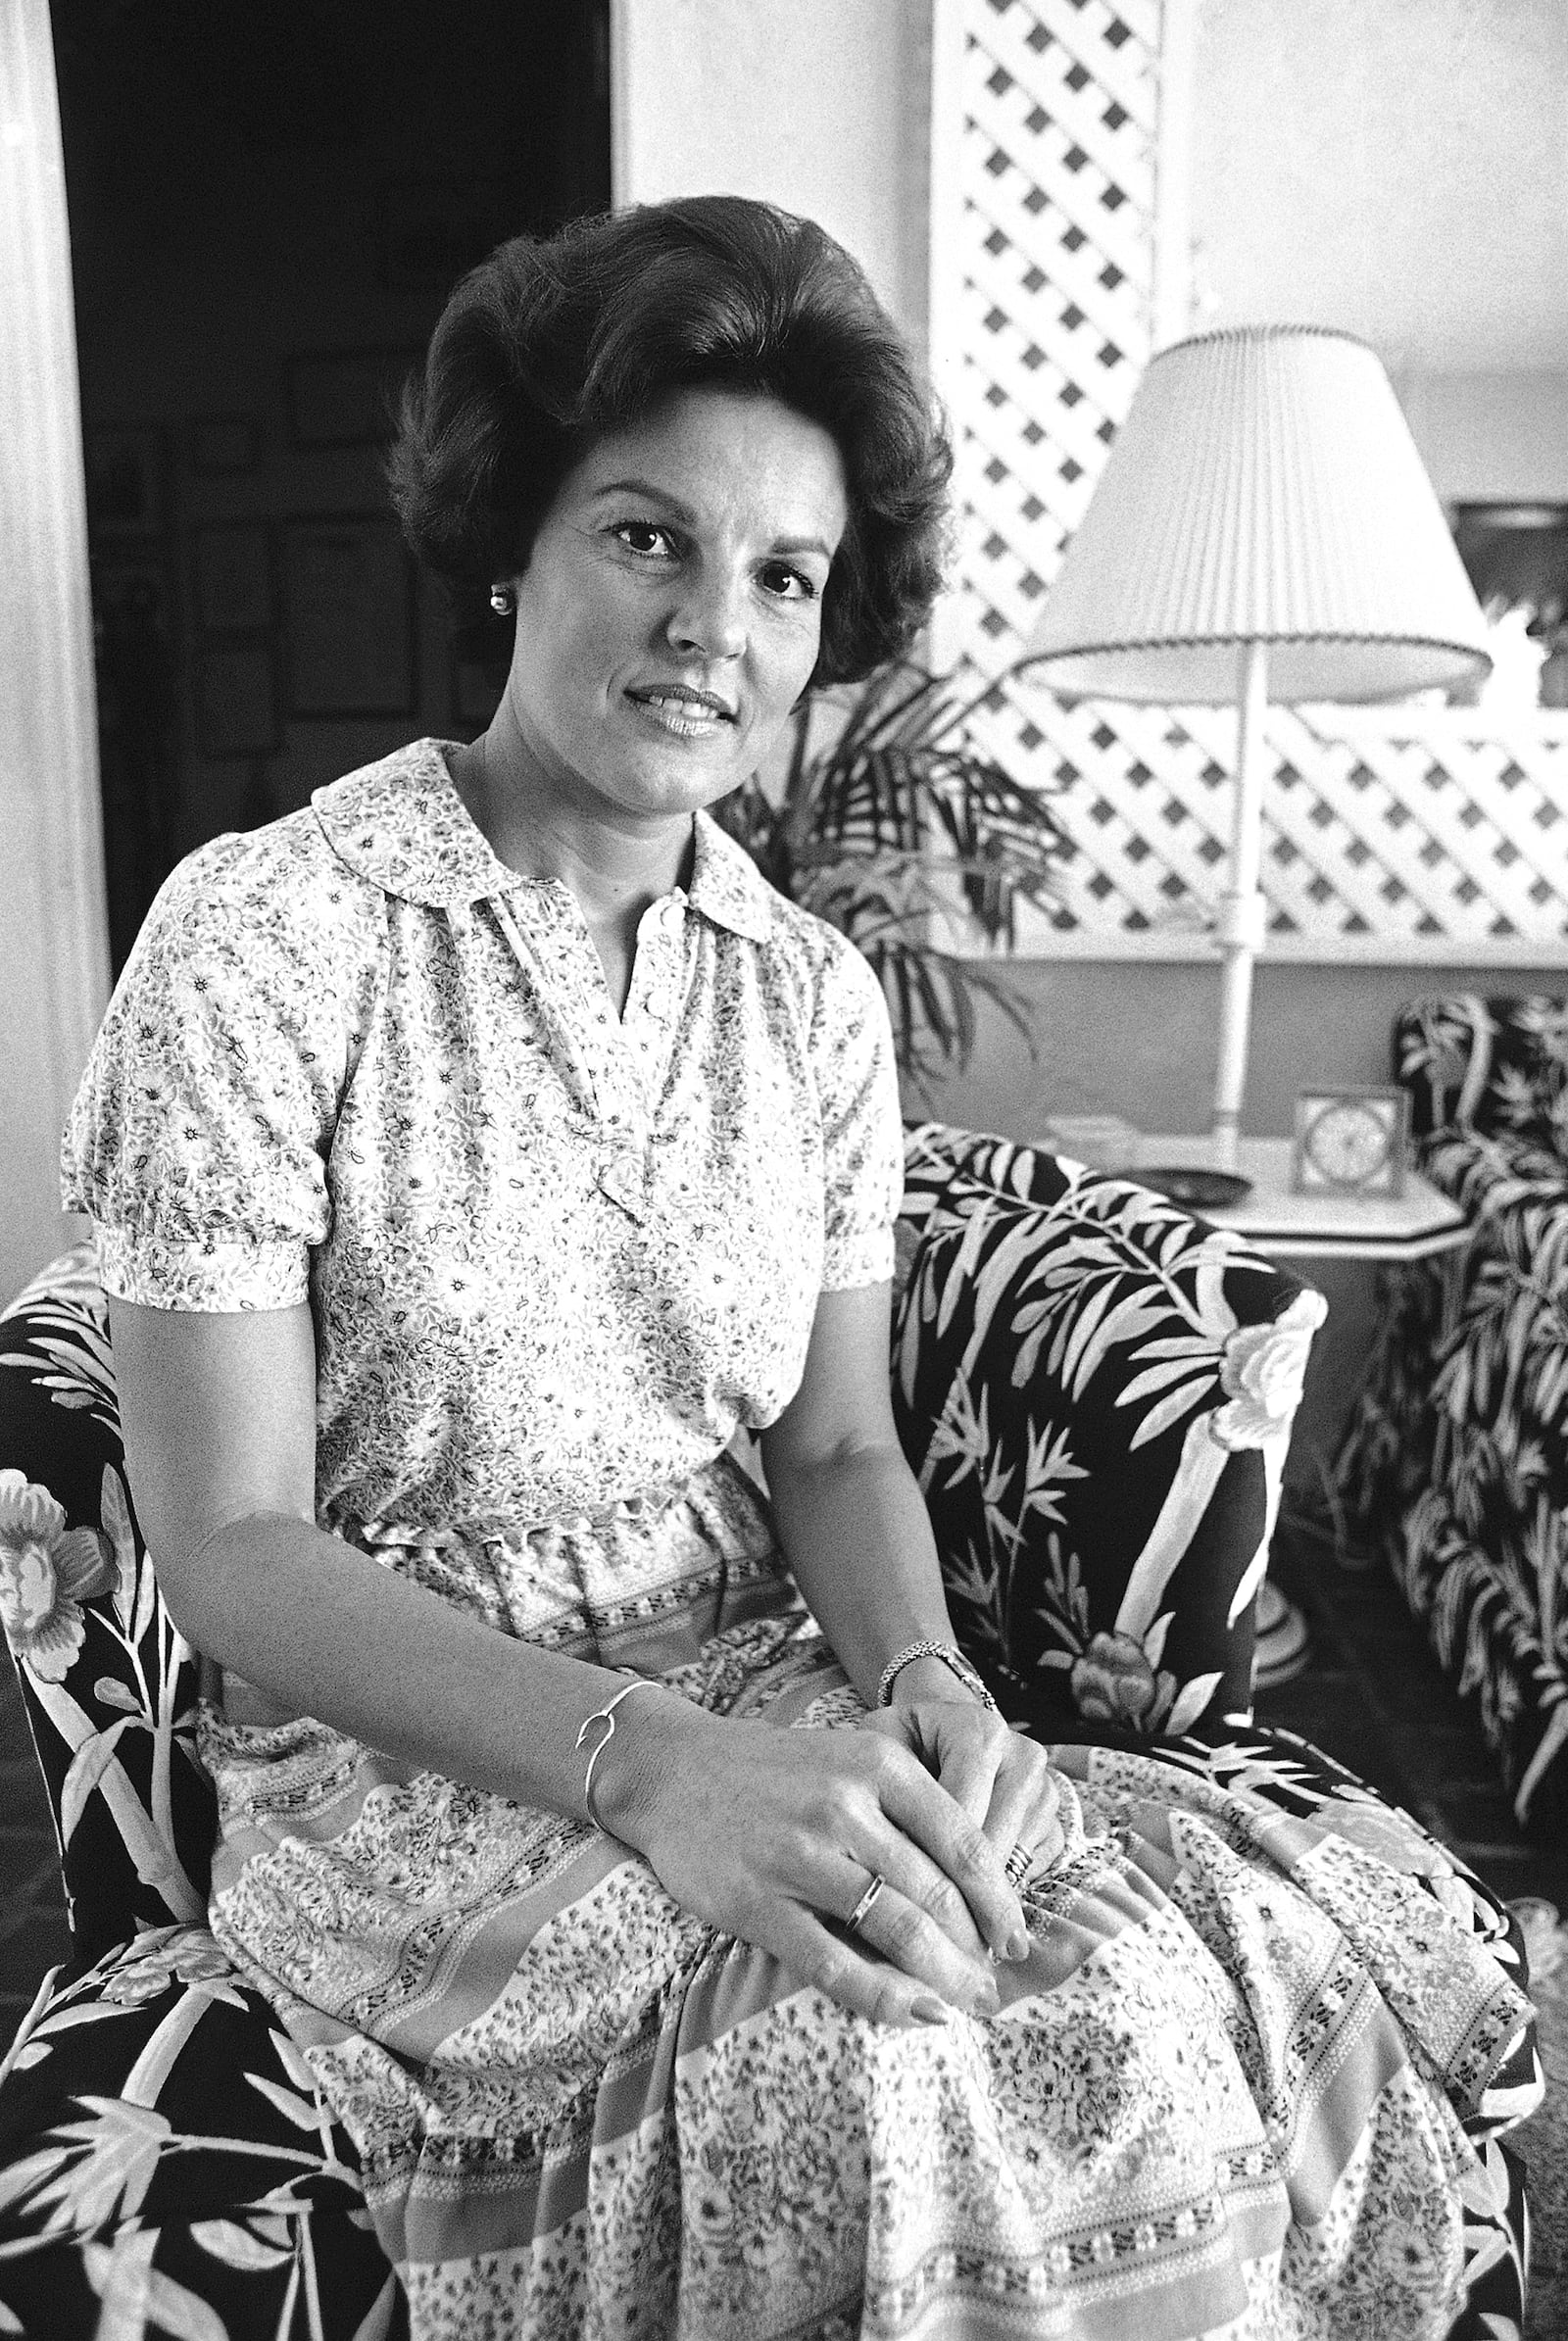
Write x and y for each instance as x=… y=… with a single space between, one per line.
x=502 y=600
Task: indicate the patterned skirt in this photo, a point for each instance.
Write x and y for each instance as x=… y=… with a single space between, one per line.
x=1223 y=2096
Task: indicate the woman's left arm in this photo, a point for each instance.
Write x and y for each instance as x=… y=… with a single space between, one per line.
x=857 y=1534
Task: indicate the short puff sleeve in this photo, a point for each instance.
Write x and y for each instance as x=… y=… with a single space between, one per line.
x=199 y=1137
x=862 y=1127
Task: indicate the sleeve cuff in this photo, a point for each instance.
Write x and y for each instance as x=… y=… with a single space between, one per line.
x=858 y=1259
x=207 y=1273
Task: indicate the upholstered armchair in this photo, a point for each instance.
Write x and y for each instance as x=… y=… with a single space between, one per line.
x=1096 y=1391
x=1455 y=1462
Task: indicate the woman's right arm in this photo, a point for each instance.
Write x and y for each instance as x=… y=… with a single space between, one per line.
x=219 y=1416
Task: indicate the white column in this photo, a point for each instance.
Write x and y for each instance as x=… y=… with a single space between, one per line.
x=1171 y=287
x=54 y=952
x=945 y=330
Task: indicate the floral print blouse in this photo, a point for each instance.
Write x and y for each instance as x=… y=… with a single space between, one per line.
x=554 y=1257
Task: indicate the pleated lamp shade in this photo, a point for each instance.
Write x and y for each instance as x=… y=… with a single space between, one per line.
x=1264 y=488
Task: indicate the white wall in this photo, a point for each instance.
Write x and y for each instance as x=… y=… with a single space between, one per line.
x=1493 y=437
x=817 y=105
x=1399 y=169
x=1396 y=168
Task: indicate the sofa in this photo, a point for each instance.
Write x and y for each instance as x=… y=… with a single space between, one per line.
x=1456 y=1460
x=1096 y=1391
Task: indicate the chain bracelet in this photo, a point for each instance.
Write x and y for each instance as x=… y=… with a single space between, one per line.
x=951 y=1658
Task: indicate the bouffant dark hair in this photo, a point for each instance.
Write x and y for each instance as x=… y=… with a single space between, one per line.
x=551 y=342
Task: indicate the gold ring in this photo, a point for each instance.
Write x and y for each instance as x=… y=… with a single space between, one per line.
x=862 y=1908
x=1019 y=1863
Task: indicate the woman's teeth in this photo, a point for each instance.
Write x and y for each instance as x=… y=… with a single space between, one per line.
x=691 y=718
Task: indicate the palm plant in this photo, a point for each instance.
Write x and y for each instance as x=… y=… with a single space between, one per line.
x=901 y=829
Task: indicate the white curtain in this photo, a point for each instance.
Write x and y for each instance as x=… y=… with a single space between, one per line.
x=54 y=959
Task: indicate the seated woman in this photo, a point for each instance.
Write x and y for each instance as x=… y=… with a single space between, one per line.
x=683 y=1936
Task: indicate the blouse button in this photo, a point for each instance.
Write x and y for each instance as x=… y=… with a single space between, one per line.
x=621 y=1180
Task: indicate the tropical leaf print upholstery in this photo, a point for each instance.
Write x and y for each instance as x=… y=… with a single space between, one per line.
x=1498 y=1068
x=1456 y=1457
x=167 y=2164
x=170 y=2167
x=110 y=1686
x=1095 y=1392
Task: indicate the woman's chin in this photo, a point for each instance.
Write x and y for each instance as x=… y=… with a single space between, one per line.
x=680 y=782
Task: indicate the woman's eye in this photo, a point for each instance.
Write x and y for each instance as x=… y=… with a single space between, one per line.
x=789 y=585
x=647 y=541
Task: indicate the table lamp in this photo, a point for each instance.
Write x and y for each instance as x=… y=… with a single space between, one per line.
x=1262 y=529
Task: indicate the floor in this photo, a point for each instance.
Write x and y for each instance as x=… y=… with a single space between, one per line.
x=1375 y=1697
x=1371 y=1695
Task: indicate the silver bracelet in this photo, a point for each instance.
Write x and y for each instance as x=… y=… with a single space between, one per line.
x=953 y=1659
x=605 y=1715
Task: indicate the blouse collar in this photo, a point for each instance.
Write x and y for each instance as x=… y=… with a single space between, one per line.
x=401 y=824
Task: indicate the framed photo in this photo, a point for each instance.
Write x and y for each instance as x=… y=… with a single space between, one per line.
x=348 y=599
x=127 y=480
x=231 y=565
x=131 y=591
x=223 y=445
x=346 y=398
x=236 y=700
x=1350 y=1142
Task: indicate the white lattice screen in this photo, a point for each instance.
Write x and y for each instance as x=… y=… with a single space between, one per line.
x=1393 y=834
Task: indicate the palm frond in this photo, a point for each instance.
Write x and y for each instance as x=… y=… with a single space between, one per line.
x=903 y=826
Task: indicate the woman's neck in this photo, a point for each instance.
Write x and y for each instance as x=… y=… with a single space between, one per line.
x=613 y=875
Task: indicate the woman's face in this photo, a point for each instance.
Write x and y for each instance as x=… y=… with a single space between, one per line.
x=671 y=611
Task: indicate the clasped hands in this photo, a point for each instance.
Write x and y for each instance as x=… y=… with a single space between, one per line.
x=776 y=1834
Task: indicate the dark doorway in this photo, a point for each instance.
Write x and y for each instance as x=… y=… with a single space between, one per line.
x=268 y=208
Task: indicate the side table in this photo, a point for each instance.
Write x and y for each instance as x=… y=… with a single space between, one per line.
x=1416 y=1225
x=1412 y=1225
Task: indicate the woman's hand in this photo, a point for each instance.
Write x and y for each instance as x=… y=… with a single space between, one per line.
x=774 y=1835
x=1000 y=1780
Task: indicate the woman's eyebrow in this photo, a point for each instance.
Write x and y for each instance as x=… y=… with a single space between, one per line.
x=803 y=544
x=647 y=487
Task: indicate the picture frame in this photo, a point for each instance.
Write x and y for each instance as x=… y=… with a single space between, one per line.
x=127 y=471
x=349 y=616
x=236 y=697
x=1350 y=1142
x=345 y=397
x=232 y=585
x=133 y=591
x=223 y=446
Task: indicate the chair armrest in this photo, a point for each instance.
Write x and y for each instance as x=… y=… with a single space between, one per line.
x=1496 y=1065
x=1492 y=1173
x=109 y=1684
x=1095 y=1391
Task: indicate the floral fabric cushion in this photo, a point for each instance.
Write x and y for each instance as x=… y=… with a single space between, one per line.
x=167 y=2165
x=1456 y=1455
x=110 y=1686
x=1095 y=1392
x=1496 y=1065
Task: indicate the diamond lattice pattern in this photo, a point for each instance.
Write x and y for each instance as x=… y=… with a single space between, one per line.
x=1426 y=827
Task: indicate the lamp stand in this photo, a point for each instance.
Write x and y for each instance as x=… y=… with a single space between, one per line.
x=1239 y=927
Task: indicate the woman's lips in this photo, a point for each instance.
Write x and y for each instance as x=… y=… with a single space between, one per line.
x=688 y=714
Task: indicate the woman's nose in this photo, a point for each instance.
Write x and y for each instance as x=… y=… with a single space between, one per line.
x=708 y=618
